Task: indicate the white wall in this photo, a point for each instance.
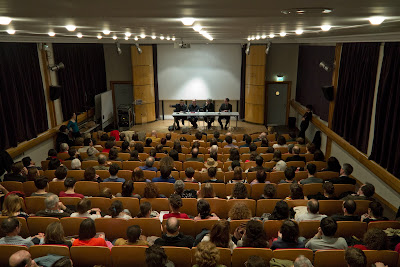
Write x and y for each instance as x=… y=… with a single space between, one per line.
x=201 y=72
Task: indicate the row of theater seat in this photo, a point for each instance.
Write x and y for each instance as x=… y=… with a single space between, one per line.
x=185 y=257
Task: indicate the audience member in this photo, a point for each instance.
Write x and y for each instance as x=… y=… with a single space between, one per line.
x=349 y=208
x=344 y=178
x=33 y=173
x=255 y=236
x=173 y=237
x=84 y=209
x=113 y=155
x=259 y=165
x=114 y=168
x=60 y=174
x=355 y=257
x=174 y=154
x=281 y=142
x=69 y=184
x=234 y=164
x=103 y=164
x=310 y=148
x=375 y=213
x=296 y=192
x=256 y=261
x=138 y=175
x=239 y=211
x=280 y=212
x=319 y=156
x=195 y=154
x=234 y=155
x=11 y=228
x=91 y=176
x=289 y=175
x=374 y=239
x=328 y=192
x=325 y=238
x=63 y=262
x=139 y=147
x=106 y=192
x=212 y=175
x=269 y=192
x=239 y=191
x=237 y=176
x=312 y=212
x=87 y=143
x=296 y=155
x=12 y=206
x=156 y=257
x=21 y=258
x=189 y=173
x=175 y=203
x=134 y=156
x=261 y=177
x=165 y=177
x=333 y=165
x=247 y=139
x=55 y=235
x=116 y=210
x=149 y=165
x=206 y=191
x=207 y=255
x=229 y=142
x=53 y=164
x=76 y=164
x=91 y=152
x=179 y=187
x=204 y=211
x=302 y=261
x=151 y=191
x=366 y=192
x=146 y=211
x=288 y=236
x=135 y=238
x=280 y=166
x=220 y=235
x=18 y=173
x=64 y=148
x=107 y=147
x=87 y=235
x=41 y=184
x=311 y=170
x=127 y=190
x=54 y=208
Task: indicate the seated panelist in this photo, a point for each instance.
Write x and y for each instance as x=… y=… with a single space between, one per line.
x=193 y=108
x=209 y=107
x=181 y=107
x=225 y=107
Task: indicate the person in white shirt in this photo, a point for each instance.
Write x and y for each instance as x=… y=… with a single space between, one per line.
x=84 y=209
x=312 y=212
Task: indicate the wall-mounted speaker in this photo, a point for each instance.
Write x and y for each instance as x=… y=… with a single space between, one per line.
x=55 y=92
x=328 y=92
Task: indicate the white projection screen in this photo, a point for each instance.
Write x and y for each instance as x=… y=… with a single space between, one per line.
x=200 y=72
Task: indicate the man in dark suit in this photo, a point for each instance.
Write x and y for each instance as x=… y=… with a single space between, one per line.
x=225 y=107
x=296 y=156
x=344 y=178
x=193 y=108
x=181 y=107
x=209 y=107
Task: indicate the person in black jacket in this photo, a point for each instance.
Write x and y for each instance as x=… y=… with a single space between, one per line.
x=193 y=108
x=305 y=121
x=225 y=107
x=296 y=156
x=173 y=237
x=63 y=137
x=181 y=107
x=209 y=107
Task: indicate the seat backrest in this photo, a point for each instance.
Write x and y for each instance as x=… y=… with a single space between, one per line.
x=87 y=188
x=181 y=257
x=158 y=204
x=89 y=163
x=24 y=227
x=384 y=225
x=257 y=190
x=112 y=227
x=219 y=189
x=34 y=204
x=29 y=188
x=235 y=224
x=7 y=251
x=56 y=187
x=101 y=202
x=129 y=203
x=122 y=256
x=241 y=255
x=189 y=206
x=45 y=164
x=77 y=174
x=178 y=165
x=300 y=164
x=219 y=207
x=67 y=163
x=149 y=226
x=292 y=254
x=330 y=207
x=266 y=206
x=283 y=150
x=131 y=165
x=300 y=175
x=282 y=190
x=296 y=203
x=329 y=258
x=229 y=189
x=362 y=207
x=124 y=156
x=271 y=228
x=50 y=174
x=39 y=224
x=250 y=203
x=116 y=187
x=276 y=177
x=125 y=174
x=70 y=201
x=194 y=164
x=319 y=164
x=350 y=228
x=43 y=250
x=341 y=188
x=139 y=188
x=90 y=256
x=312 y=189
x=165 y=188
x=308 y=229
x=63 y=156
x=267 y=156
x=387 y=257
x=71 y=225
x=326 y=175
x=13 y=186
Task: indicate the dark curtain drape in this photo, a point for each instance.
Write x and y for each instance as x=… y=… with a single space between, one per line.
x=310 y=77
x=386 y=145
x=23 y=113
x=84 y=75
x=156 y=98
x=355 y=93
x=242 y=84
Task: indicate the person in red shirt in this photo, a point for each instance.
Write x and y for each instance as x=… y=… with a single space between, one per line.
x=175 y=203
x=69 y=183
x=87 y=233
x=374 y=239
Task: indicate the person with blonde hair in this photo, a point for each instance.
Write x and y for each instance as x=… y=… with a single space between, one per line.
x=206 y=191
x=239 y=211
x=12 y=206
x=207 y=255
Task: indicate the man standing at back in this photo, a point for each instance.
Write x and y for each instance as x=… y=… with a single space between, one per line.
x=225 y=107
x=193 y=108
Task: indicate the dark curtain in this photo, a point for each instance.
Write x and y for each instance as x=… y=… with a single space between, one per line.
x=355 y=93
x=386 y=145
x=242 y=84
x=23 y=113
x=156 y=98
x=84 y=75
x=311 y=78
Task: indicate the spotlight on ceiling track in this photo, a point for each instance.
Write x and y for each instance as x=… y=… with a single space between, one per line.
x=326 y=28
x=138 y=48
x=376 y=20
x=70 y=28
x=51 y=34
x=10 y=31
x=282 y=34
x=268 y=47
x=115 y=37
x=106 y=32
x=79 y=35
x=247 y=51
x=327 y=67
x=188 y=21
x=118 y=46
x=57 y=67
x=299 y=32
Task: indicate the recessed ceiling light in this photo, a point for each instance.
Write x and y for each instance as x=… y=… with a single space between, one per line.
x=300 y=11
x=376 y=20
x=136 y=38
x=173 y=39
x=115 y=37
x=162 y=37
x=106 y=32
x=188 y=21
x=326 y=28
x=51 y=34
x=10 y=31
x=271 y=35
x=197 y=28
x=99 y=36
x=128 y=34
x=282 y=34
x=70 y=28
x=258 y=37
x=263 y=36
x=153 y=37
x=210 y=38
x=298 y=32
x=79 y=35
x=327 y=11
x=126 y=38
x=253 y=38
x=168 y=38
x=249 y=38
x=143 y=36
x=5 y=20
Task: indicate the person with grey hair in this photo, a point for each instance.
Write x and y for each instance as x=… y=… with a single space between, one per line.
x=76 y=164
x=173 y=237
x=91 y=152
x=302 y=261
x=344 y=178
x=179 y=187
x=209 y=107
x=213 y=148
x=149 y=165
x=312 y=212
x=64 y=147
x=103 y=164
x=296 y=155
x=54 y=208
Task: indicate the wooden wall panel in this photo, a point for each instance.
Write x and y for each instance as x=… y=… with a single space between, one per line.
x=255 y=94
x=254 y=113
x=255 y=84
x=143 y=84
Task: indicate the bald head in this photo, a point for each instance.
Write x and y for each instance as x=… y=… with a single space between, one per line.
x=21 y=258
x=228 y=134
x=195 y=152
x=313 y=206
x=296 y=150
x=172 y=225
x=154 y=133
x=214 y=148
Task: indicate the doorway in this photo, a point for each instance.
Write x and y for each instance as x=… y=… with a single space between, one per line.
x=278 y=97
